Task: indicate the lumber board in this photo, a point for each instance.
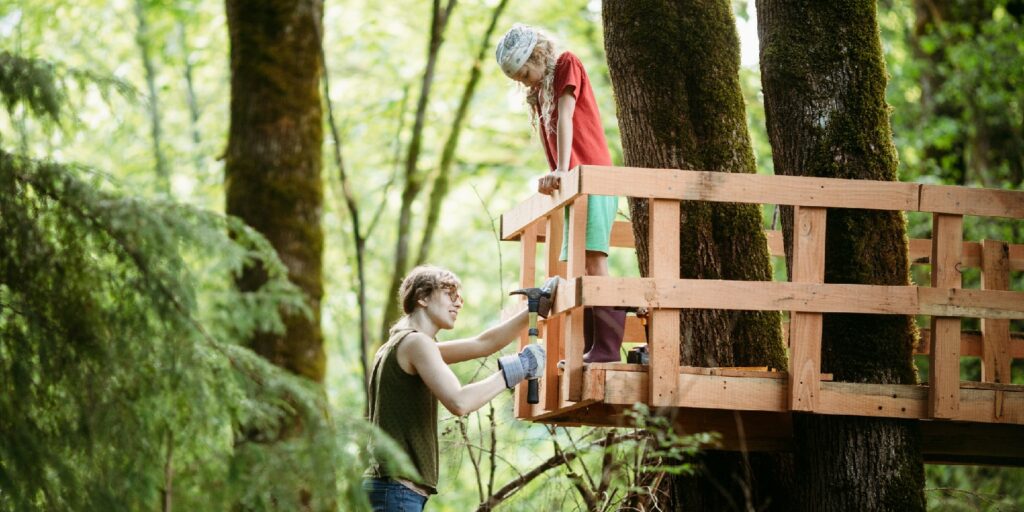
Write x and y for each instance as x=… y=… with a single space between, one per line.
x=514 y=221
x=749 y=188
x=983 y=202
x=944 y=357
x=953 y=442
x=577 y=246
x=572 y=377
x=787 y=296
x=555 y=331
x=970 y=344
x=663 y=254
x=527 y=273
x=806 y=327
x=995 y=332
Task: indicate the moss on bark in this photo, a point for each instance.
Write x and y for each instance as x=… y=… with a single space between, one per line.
x=675 y=71
x=273 y=158
x=824 y=83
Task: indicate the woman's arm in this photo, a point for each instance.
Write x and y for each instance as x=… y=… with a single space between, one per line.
x=566 y=108
x=485 y=343
x=425 y=358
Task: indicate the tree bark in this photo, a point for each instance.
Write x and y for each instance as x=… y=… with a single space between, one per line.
x=674 y=66
x=273 y=159
x=440 y=187
x=413 y=177
x=142 y=40
x=824 y=85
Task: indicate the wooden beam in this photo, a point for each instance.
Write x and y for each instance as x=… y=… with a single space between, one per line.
x=995 y=347
x=527 y=273
x=784 y=296
x=555 y=332
x=906 y=401
x=514 y=221
x=970 y=344
x=663 y=254
x=750 y=188
x=805 y=333
x=949 y=442
x=944 y=358
x=576 y=267
x=972 y=201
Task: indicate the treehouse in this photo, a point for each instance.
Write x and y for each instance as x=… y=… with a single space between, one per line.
x=960 y=422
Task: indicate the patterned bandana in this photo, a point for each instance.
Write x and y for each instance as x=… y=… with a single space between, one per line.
x=515 y=47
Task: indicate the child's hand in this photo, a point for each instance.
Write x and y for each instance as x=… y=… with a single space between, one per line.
x=549 y=183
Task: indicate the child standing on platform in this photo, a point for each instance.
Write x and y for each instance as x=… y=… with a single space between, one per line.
x=563 y=108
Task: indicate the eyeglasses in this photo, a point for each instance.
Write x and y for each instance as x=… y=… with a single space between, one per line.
x=453 y=294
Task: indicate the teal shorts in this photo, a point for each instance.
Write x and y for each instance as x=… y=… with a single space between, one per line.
x=601 y=212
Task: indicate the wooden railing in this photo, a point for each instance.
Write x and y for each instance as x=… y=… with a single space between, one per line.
x=806 y=296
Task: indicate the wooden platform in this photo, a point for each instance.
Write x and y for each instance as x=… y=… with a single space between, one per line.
x=960 y=422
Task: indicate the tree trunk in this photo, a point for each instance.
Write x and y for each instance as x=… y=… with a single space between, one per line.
x=413 y=177
x=273 y=159
x=142 y=40
x=824 y=86
x=675 y=70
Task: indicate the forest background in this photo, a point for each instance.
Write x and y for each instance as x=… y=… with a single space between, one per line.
x=130 y=139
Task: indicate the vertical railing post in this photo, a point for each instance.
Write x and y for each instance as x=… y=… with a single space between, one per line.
x=663 y=263
x=527 y=268
x=553 y=330
x=995 y=333
x=805 y=327
x=575 y=267
x=944 y=358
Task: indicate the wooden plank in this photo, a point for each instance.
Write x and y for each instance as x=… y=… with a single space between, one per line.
x=577 y=253
x=555 y=331
x=663 y=254
x=554 y=228
x=593 y=385
x=575 y=267
x=573 y=342
x=944 y=359
x=622 y=234
x=921 y=251
x=805 y=333
x=636 y=331
x=785 y=296
x=970 y=344
x=995 y=347
x=972 y=201
x=971 y=303
x=750 y=188
x=702 y=391
x=947 y=442
x=527 y=273
x=514 y=221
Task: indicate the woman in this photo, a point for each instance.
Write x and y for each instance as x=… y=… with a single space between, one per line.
x=410 y=375
x=562 y=104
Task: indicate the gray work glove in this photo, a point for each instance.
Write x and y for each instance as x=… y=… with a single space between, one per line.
x=527 y=364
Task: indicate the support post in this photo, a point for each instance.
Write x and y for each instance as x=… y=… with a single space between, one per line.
x=553 y=332
x=805 y=328
x=575 y=267
x=995 y=333
x=663 y=262
x=527 y=269
x=944 y=359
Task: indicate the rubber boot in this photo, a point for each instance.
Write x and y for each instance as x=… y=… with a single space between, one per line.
x=608 y=326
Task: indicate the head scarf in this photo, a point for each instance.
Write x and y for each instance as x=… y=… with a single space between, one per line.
x=515 y=48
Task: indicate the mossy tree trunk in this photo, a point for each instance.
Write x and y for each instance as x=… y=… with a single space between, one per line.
x=824 y=84
x=674 y=66
x=273 y=158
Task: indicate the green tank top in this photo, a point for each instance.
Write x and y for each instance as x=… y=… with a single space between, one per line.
x=403 y=407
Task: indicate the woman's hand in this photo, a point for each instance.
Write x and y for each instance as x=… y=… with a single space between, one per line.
x=550 y=182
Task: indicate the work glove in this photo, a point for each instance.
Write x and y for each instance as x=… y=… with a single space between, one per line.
x=527 y=364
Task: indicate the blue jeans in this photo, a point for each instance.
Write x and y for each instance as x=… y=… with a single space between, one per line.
x=392 y=496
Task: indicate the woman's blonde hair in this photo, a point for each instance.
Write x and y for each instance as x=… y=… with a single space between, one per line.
x=546 y=52
x=422 y=282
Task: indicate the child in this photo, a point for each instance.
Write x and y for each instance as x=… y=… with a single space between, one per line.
x=561 y=99
x=410 y=375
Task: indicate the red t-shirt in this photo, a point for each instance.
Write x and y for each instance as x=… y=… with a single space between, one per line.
x=589 y=146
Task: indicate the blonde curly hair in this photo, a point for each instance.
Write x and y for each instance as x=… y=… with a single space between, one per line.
x=546 y=52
